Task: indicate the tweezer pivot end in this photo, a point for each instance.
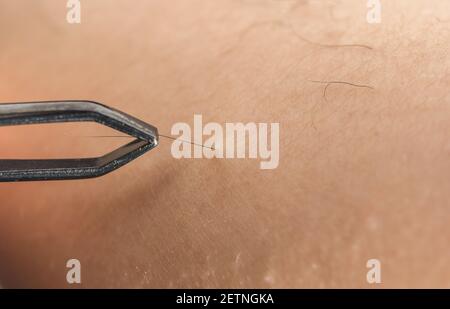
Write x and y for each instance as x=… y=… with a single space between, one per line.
x=74 y=111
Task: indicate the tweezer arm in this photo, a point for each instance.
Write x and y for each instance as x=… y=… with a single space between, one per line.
x=74 y=111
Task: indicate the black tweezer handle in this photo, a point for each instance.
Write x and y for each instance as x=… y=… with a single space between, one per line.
x=74 y=111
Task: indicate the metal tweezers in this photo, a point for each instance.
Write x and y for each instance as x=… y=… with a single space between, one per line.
x=12 y=114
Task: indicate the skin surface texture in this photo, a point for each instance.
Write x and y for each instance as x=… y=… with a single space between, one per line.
x=364 y=171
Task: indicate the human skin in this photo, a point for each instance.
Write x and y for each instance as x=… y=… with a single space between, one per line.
x=363 y=173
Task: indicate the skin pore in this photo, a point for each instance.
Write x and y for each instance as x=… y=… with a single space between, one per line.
x=364 y=144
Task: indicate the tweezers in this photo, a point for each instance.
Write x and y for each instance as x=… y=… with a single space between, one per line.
x=12 y=114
